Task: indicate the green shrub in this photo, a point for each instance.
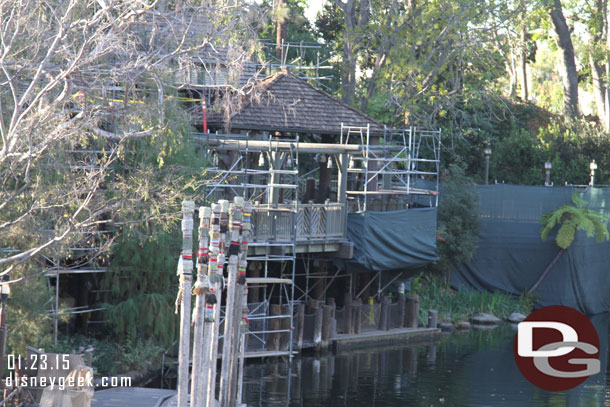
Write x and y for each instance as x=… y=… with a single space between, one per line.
x=459 y=305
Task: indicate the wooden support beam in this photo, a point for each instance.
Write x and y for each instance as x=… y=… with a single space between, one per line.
x=314 y=148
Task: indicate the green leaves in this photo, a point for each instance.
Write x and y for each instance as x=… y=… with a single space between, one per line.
x=458 y=219
x=573 y=218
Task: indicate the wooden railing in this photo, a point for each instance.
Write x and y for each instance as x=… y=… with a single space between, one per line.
x=312 y=221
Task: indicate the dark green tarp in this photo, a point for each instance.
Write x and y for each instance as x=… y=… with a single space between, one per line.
x=511 y=256
x=395 y=240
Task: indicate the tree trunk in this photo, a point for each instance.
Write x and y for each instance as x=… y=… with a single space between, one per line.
x=570 y=75
x=348 y=73
x=281 y=30
x=546 y=272
x=599 y=90
x=524 y=93
x=598 y=67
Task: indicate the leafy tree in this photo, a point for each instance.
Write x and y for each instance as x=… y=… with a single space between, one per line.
x=569 y=219
x=458 y=219
x=87 y=140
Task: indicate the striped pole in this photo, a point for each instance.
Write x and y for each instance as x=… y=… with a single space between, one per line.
x=183 y=302
x=218 y=230
x=233 y=306
x=200 y=290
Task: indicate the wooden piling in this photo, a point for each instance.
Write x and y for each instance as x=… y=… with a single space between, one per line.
x=299 y=326
x=201 y=288
x=317 y=327
x=285 y=326
x=218 y=229
x=311 y=306
x=183 y=302
x=384 y=323
x=413 y=312
x=232 y=310
x=357 y=312
x=402 y=304
x=326 y=317
x=347 y=307
x=274 y=325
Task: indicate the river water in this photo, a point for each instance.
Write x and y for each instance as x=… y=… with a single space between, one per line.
x=474 y=368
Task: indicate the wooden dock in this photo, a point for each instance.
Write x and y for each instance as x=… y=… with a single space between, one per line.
x=131 y=396
x=366 y=339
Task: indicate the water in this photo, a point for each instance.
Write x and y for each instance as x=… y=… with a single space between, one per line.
x=468 y=369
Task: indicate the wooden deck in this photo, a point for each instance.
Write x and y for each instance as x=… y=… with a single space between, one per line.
x=366 y=339
x=131 y=397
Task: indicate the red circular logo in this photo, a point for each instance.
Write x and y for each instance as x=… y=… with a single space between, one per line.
x=556 y=348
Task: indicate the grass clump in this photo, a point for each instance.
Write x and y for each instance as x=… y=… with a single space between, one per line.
x=461 y=305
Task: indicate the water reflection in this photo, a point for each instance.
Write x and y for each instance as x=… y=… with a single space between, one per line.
x=469 y=369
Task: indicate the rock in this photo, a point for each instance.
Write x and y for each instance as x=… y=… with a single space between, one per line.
x=446 y=327
x=516 y=317
x=463 y=325
x=483 y=318
x=484 y=327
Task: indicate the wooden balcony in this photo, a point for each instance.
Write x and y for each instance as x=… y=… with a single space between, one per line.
x=313 y=228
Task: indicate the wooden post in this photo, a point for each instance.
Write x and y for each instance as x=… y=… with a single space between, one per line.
x=432 y=318
x=200 y=290
x=356 y=312
x=326 y=317
x=317 y=328
x=274 y=326
x=285 y=326
x=386 y=313
x=183 y=302
x=342 y=178
x=310 y=190
x=233 y=306
x=413 y=312
x=347 y=307
x=218 y=229
x=402 y=309
x=246 y=228
x=300 y=325
x=311 y=306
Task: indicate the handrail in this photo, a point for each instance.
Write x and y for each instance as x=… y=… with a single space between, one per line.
x=314 y=221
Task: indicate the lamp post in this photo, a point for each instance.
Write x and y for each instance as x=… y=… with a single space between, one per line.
x=487 y=155
x=592 y=167
x=547 y=168
x=5 y=291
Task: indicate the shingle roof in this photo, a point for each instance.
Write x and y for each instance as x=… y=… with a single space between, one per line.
x=288 y=103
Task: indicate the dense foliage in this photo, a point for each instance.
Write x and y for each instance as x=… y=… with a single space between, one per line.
x=458 y=219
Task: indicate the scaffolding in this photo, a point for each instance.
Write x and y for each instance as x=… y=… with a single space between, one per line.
x=274 y=181
x=401 y=162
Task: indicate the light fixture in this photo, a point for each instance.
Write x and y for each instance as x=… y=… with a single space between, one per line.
x=487 y=153
x=592 y=167
x=261 y=159
x=547 y=167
